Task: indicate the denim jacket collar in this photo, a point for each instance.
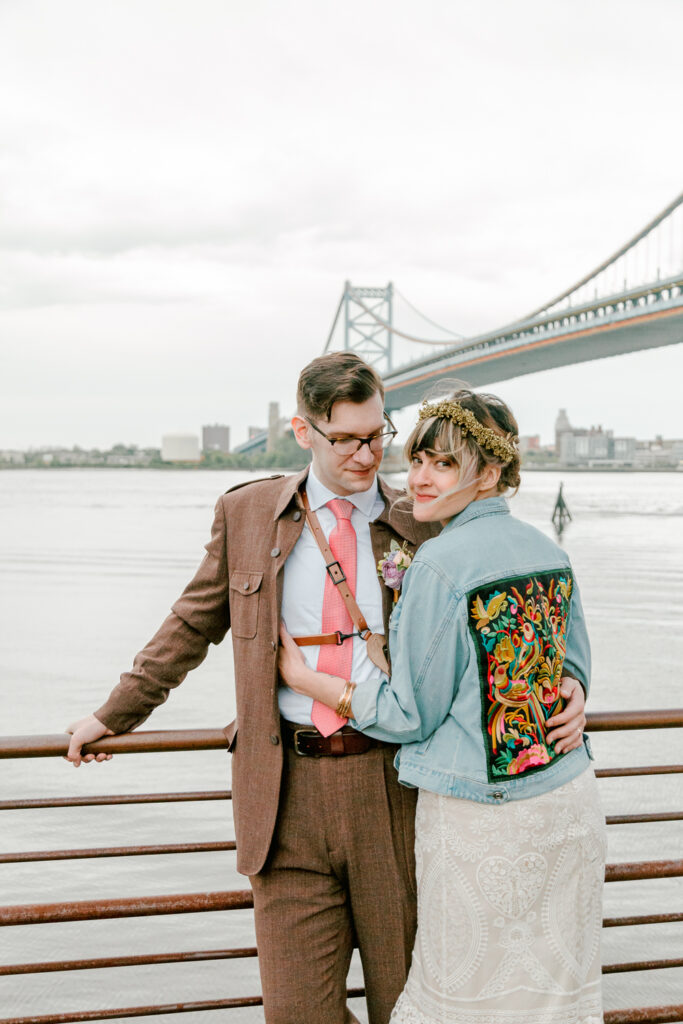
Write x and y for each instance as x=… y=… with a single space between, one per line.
x=497 y=506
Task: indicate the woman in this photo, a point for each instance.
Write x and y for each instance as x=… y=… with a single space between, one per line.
x=510 y=845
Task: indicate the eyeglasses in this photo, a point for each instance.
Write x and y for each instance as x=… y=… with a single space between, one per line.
x=350 y=445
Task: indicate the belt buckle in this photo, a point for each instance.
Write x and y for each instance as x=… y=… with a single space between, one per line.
x=303 y=731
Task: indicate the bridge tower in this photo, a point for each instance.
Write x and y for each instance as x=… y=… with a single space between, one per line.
x=368 y=321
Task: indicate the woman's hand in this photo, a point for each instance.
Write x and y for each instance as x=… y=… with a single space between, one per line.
x=293 y=669
x=302 y=679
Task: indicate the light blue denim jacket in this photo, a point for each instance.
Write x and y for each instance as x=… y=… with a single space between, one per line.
x=488 y=621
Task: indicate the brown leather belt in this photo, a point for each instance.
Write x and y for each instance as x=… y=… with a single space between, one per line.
x=308 y=742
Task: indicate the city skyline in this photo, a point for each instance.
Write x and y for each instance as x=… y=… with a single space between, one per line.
x=597 y=425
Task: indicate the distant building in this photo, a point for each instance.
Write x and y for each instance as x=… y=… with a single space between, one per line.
x=274 y=431
x=624 y=450
x=180 y=448
x=265 y=439
x=659 y=454
x=71 y=457
x=579 y=446
x=529 y=444
x=562 y=426
x=582 y=446
x=216 y=438
x=12 y=457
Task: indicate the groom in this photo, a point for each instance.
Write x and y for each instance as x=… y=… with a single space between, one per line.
x=323 y=828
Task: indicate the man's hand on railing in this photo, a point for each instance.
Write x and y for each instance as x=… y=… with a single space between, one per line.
x=86 y=730
x=568 y=726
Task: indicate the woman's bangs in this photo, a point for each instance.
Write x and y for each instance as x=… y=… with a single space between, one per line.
x=438 y=435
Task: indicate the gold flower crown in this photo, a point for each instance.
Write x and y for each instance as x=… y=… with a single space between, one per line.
x=448 y=409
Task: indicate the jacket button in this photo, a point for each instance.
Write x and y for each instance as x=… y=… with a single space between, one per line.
x=274 y=740
x=275 y=552
x=246 y=586
x=498 y=795
x=297 y=516
x=273 y=644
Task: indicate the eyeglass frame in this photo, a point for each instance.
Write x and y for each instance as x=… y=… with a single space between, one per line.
x=363 y=440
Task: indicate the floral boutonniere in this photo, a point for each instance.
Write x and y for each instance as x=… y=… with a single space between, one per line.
x=392 y=568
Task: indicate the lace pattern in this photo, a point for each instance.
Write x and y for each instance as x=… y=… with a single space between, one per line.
x=509 y=910
x=409 y=1014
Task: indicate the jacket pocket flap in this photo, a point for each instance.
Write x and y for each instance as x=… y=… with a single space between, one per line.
x=245 y=582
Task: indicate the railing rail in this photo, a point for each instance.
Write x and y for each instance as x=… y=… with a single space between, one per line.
x=201 y=902
x=178 y=740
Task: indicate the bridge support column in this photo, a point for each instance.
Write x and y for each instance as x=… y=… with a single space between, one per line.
x=362 y=333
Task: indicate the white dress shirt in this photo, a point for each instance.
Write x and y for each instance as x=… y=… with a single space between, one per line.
x=304 y=587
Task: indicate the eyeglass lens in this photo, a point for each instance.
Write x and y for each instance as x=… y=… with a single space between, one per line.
x=351 y=445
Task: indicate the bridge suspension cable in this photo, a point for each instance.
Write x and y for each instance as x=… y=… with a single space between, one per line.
x=402 y=334
x=666 y=212
x=446 y=330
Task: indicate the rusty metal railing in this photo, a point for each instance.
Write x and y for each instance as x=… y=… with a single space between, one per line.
x=201 y=902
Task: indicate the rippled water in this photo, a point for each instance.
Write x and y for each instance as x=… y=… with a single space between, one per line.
x=90 y=561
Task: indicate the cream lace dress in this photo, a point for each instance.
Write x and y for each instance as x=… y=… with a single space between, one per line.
x=509 y=910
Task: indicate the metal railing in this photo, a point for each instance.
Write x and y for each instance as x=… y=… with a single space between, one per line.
x=201 y=902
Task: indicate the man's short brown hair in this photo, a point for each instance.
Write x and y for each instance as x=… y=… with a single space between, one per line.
x=335 y=377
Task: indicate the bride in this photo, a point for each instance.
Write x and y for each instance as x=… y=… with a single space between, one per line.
x=510 y=844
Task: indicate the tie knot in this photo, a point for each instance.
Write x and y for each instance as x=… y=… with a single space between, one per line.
x=342 y=509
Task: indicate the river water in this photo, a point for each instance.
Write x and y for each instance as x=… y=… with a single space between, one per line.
x=90 y=561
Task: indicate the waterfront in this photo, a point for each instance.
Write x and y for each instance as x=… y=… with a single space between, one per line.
x=90 y=561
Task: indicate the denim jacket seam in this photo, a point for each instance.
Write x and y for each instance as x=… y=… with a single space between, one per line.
x=543 y=566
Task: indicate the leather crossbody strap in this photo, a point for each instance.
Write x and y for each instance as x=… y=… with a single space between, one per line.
x=375 y=641
x=323 y=638
x=334 y=570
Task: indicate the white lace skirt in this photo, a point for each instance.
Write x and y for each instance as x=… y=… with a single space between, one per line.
x=509 y=910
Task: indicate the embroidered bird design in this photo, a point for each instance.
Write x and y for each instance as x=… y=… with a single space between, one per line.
x=486 y=613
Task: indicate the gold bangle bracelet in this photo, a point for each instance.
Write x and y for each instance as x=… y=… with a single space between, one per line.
x=343 y=708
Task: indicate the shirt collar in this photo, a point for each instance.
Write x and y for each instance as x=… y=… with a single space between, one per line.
x=497 y=506
x=319 y=495
x=396 y=512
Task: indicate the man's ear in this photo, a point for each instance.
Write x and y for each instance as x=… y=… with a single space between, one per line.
x=301 y=431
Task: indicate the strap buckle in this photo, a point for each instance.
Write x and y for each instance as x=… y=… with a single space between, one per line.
x=341 y=637
x=336 y=573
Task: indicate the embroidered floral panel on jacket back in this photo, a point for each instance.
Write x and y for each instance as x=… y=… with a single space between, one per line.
x=519 y=628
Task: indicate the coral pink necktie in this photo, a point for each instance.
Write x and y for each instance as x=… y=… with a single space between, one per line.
x=337 y=658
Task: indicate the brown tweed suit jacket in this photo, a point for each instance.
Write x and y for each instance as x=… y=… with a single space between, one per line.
x=239 y=586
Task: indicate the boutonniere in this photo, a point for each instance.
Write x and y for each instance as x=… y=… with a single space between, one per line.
x=392 y=568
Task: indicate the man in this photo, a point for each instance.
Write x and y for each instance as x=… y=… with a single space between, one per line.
x=323 y=828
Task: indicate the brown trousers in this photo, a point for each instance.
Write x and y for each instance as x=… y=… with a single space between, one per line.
x=340 y=872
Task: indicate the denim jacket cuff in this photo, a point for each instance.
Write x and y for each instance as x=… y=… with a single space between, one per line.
x=365 y=703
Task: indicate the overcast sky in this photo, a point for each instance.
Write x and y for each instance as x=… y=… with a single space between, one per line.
x=186 y=184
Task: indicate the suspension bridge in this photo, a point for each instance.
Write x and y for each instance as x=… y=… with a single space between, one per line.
x=632 y=301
